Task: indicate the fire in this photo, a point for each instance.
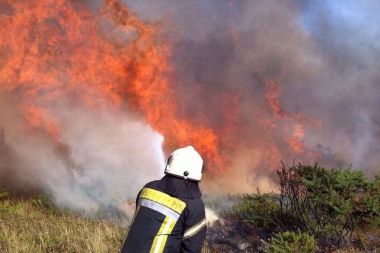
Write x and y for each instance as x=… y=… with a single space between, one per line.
x=109 y=61
x=34 y=116
x=294 y=133
x=57 y=52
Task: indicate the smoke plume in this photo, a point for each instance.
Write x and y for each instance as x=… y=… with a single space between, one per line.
x=278 y=80
x=96 y=94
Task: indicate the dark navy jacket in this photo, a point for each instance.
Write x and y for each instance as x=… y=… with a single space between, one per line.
x=169 y=218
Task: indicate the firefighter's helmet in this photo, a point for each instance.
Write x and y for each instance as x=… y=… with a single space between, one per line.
x=185 y=163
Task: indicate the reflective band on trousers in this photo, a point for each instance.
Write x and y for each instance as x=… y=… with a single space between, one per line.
x=194 y=229
x=163 y=199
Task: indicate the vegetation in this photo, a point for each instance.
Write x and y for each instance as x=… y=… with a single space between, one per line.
x=330 y=205
x=290 y=242
x=35 y=225
x=314 y=210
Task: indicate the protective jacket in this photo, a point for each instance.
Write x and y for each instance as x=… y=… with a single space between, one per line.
x=169 y=218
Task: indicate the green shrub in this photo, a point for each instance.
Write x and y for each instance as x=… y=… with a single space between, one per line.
x=327 y=204
x=256 y=209
x=43 y=201
x=290 y=242
x=366 y=205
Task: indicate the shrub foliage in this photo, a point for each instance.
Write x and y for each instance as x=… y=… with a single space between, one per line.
x=327 y=204
x=290 y=242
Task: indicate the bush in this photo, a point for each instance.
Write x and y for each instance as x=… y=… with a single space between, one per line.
x=256 y=209
x=290 y=242
x=327 y=204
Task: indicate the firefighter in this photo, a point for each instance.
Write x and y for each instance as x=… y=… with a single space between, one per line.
x=170 y=215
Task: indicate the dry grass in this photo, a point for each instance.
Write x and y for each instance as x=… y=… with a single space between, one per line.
x=30 y=228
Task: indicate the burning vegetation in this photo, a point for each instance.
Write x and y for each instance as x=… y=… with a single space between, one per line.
x=98 y=97
x=93 y=97
x=59 y=57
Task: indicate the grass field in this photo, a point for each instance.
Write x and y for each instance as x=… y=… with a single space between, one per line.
x=26 y=226
x=34 y=225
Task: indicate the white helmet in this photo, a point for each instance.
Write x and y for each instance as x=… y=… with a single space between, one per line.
x=185 y=163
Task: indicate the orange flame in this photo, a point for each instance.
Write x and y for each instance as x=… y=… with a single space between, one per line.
x=294 y=135
x=112 y=60
x=56 y=52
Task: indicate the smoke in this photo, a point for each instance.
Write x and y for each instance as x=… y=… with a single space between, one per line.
x=63 y=130
x=347 y=33
x=114 y=154
x=265 y=80
x=104 y=160
x=321 y=55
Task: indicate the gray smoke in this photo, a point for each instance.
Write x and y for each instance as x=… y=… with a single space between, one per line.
x=323 y=54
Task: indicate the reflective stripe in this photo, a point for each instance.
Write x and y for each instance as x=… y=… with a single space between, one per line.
x=169 y=206
x=163 y=199
x=194 y=229
x=159 y=208
x=162 y=235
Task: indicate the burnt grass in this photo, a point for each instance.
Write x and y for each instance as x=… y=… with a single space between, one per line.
x=229 y=235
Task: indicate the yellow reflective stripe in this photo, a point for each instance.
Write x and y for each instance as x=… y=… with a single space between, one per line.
x=162 y=235
x=194 y=229
x=163 y=199
x=159 y=208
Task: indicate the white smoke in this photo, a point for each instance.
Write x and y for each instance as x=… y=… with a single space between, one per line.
x=101 y=160
x=116 y=154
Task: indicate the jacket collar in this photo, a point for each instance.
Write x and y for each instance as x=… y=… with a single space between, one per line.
x=179 y=187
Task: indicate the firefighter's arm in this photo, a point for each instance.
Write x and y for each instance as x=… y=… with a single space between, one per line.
x=195 y=231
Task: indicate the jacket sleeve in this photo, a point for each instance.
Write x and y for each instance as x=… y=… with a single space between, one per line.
x=195 y=229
